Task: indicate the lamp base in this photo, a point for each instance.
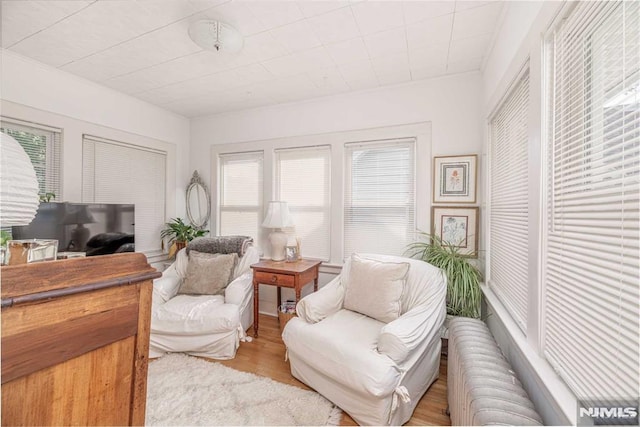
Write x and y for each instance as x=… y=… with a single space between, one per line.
x=278 y=241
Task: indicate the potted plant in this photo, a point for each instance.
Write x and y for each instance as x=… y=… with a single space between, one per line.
x=5 y=236
x=463 y=278
x=179 y=234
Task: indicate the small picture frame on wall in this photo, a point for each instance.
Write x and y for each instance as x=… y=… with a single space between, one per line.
x=454 y=179
x=457 y=226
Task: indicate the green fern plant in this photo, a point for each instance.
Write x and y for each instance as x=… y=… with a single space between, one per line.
x=463 y=278
x=179 y=234
x=177 y=231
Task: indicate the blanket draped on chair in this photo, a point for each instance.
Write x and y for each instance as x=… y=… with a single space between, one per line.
x=221 y=244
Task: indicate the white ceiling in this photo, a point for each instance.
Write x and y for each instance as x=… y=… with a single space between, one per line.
x=294 y=50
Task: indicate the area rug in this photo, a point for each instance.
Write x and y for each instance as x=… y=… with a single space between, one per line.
x=184 y=390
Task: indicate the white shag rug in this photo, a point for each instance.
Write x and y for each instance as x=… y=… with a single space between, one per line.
x=184 y=390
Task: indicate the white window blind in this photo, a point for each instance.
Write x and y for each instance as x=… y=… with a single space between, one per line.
x=43 y=146
x=591 y=239
x=379 y=201
x=114 y=172
x=303 y=180
x=240 y=193
x=509 y=218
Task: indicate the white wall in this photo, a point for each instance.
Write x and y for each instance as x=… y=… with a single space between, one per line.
x=34 y=92
x=451 y=106
x=515 y=27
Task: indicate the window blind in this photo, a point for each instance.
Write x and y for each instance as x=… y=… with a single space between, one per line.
x=114 y=172
x=43 y=146
x=379 y=206
x=240 y=192
x=303 y=180
x=590 y=268
x=509 y=218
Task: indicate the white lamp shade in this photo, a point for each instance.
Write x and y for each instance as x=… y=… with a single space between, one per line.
x=216 y=36
x=18 y=184
x=278 y=216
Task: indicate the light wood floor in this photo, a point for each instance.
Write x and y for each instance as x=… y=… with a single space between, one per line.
x=265 y=356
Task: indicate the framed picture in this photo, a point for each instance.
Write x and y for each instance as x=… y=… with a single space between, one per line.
x=454 y=179
x=291 y=253
x=457 y=226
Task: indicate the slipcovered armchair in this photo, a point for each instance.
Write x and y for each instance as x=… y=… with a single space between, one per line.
x=369 y=341
x=209 y=325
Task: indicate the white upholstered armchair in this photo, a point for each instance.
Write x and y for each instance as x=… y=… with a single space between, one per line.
x=369 y=340
x=203 y=325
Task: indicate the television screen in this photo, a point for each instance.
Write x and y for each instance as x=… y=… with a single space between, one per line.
x=96 y=229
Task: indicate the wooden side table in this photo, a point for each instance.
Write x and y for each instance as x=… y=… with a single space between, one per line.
x=283 y=275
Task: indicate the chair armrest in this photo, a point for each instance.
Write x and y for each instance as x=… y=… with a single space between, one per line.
x=240 y=290
x=400 y=337
x=166 y=287
x=318 y=305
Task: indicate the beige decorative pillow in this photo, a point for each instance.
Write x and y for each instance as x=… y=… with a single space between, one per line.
x=208 y=274
x=375 y=288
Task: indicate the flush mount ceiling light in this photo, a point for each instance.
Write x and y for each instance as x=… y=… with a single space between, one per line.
x=216 y=35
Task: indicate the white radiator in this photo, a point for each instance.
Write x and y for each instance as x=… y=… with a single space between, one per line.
x=481 y=387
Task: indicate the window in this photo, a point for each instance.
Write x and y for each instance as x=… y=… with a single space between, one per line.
x=303 y=180
x=42 y=145
x=509 y=209
x=379 y=200
x=590 y=240
x=240 y=192
x=115 y=172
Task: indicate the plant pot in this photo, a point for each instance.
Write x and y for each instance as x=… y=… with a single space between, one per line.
x=444 y=334
x=444 y=329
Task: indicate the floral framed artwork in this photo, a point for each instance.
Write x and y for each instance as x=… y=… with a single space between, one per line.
x=454 y=179
x=457 y=226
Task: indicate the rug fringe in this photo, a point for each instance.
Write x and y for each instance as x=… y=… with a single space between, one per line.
x=334 y=416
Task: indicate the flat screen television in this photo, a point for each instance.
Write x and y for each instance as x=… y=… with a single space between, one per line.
x=93 y=228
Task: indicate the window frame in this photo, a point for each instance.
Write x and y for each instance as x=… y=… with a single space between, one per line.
x=350 y=147
x=525 y=72
x=549 y=392
x=324 y=208
x=336 y=140
x=53 y=152
x=259 y=208
x=89 y=138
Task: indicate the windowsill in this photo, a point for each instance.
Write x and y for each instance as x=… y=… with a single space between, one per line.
x=546 y=378
x=155 y=256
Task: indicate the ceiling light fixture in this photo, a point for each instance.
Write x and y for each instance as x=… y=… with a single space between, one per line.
x=216 y=35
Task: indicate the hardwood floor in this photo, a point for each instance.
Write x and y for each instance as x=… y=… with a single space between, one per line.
x=265 y=356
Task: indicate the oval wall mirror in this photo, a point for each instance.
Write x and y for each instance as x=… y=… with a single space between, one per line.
x=198 y=202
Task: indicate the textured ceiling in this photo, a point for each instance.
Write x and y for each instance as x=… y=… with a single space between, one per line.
x=293 y=50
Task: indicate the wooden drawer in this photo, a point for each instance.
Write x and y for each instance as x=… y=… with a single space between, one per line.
x=275 y=279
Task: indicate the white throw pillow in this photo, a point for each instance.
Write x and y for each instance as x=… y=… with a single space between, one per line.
x=375 y=288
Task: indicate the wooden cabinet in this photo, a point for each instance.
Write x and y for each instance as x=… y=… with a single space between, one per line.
x=75 y=339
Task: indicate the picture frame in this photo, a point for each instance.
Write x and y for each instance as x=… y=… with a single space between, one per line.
x=458 y=226
x=291 y=253
x=455 y=179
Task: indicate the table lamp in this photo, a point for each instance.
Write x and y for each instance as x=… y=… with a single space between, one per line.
x=18 y=184
x=278 y=217
x=78 y=215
